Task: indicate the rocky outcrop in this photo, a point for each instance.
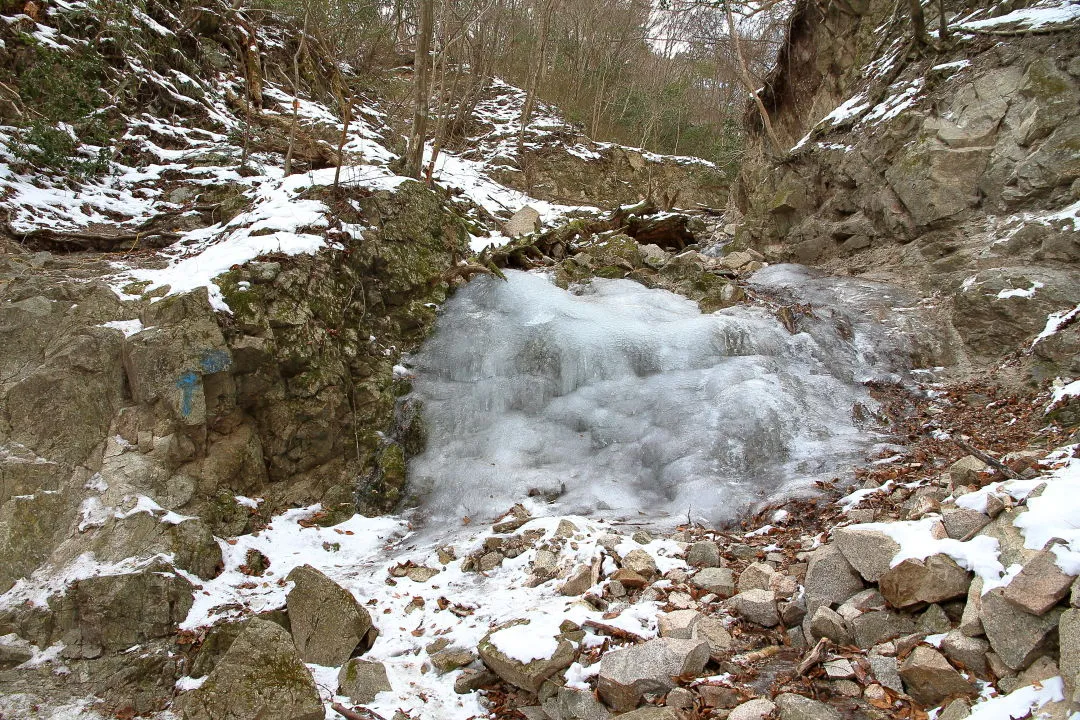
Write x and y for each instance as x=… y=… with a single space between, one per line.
x=328 y=624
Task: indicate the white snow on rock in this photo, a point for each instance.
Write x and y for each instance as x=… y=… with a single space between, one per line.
x=1041 y=15
x=1022 y=702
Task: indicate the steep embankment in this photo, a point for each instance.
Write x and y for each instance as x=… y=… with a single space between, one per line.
x=951 y=170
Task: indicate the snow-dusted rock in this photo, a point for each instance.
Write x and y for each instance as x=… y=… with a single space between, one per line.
x=830 y=578
x=869 y=551
x=962 y=523
x=523 y=656
x=1040 y=585
x=628 y=673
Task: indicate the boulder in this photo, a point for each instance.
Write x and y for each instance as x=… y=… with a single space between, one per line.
x=361 y=680
x=110 y=613
x=1040 y=584
x=327 y=622
x=524 y=221
x=756 y=709
x=451 y=658
x=799 y=707
x=719 y=581
x=579 y=582
x=935 y=579
x=869 y=551
x=526 y=672
x=628 y=673
x=830 y=578
x=929 y=678
x=703 y=554
x=757 y=606
x=1018 y=637
x=261 y=675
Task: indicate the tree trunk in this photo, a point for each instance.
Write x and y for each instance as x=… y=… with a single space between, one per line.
x=534 y=78
x=748 y=83
x=414 y=154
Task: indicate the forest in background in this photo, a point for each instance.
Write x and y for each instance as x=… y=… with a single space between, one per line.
x=661 y=75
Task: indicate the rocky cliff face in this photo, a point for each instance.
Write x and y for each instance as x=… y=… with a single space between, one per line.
x=952 y=169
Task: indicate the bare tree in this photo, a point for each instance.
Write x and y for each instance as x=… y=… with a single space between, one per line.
x=414 y=154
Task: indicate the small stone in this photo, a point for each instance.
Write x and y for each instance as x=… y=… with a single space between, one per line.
x=1069 y=640
x=887 y=672
x=862 y=515
x=641 y=537
x=830 y=578
x=877 y=626
x=681 y=600
x=517 y=516
x=970 y=620
x=798 y=707
x=847 y=688
x=566 y=529
x=146 y=441
x=1018 y=637
x=719 y=696
x=680 y=699
x=629 y=579
x=720 y=581
x=524 y=221
x=839 y=669
x=616 y=589
x=958 y=709
x=679 y=624
x=929 y=678
x=869 y=551
x=703 y=554
x=451 y=659
x=756 y=709
x=875 y=693
x=421 y=574
x=327 y=622
x=490 y=560
x=713 y=632
x=933 y=621
x=792 y=612
x=757 y=606
x=471 y=680
x=361 y=680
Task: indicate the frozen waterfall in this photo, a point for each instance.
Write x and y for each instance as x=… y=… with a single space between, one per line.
x=618 y=400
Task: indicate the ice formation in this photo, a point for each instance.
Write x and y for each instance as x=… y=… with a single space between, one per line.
x=614 y=398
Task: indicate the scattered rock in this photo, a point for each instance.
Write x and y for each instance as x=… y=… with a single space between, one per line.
x=757 y=606
x=966 y=651
x=1069 y=641
x=12 y=655
x=640 y=562
x=451 y=658
x=963 y=524
x=679 y=698
x=362 y=680
x=1040 y=584
x=827 y=623
x=830 y=578
x=874 y=627
x=629 y=579
x=798 y=707
x=628 y=673
x=719 y=581
x=703 y=554
x=327 y=622
x=579 y=582
x=1016 y=636
x=756 y=576
x=573 y=704
x=887 y=672
x=470 y=680
x=524 y=221
x=935 y=579
x=965 y=471
x=261 y=675
x=929 y=678
x=756 y=709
